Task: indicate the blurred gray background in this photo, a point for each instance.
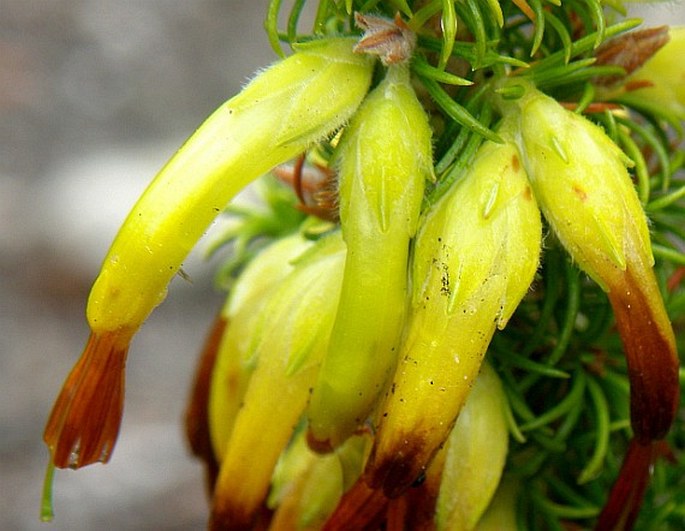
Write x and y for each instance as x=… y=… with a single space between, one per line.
x=94 y=96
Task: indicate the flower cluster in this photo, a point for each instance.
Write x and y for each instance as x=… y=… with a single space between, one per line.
x=373 y=360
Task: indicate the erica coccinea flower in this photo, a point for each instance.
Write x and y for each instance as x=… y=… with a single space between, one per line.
x=580 y=179
x=248 y=135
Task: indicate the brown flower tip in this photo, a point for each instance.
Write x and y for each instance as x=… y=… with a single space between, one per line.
x=625 y=499
x=651 y=355
x=196 y=416
x=399 y=467
x=363 y=507
x=227 y=516
x=258 y=520
x=84 y=422
x=630 y=51
x=392 y=40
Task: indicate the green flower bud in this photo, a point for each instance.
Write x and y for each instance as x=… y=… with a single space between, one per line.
x=383 y=160
x=307 y=486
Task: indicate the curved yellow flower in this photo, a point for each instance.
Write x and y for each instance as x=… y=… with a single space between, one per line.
x=287 y=107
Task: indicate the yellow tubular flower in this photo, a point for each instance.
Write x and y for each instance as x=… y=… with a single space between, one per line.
x=458 y=484
x=580 y=180
x=248 y=297
x=474 y=259
x=290 y=340
x=383 y=161
x=286 y=108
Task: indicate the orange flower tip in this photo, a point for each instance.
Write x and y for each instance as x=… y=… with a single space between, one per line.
x=637 y=84
x=84 y=423
x=625 y=499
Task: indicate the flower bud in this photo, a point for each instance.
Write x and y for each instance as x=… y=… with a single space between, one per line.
x=383 y=160
x=580 y=179
x=307 y=486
